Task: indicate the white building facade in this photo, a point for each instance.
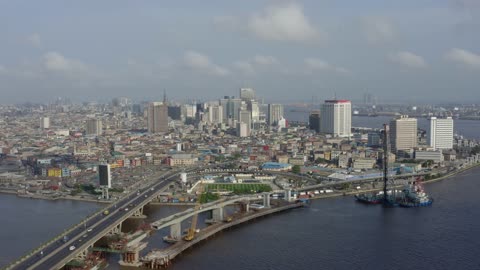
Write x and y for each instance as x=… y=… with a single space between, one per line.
x=336 y=118
x=440 y=133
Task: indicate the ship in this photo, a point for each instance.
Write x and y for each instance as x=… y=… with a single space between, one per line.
x=369 y=198
x=415 y=196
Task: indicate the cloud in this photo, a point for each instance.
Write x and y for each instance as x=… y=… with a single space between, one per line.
x=201 y=62
x=315 y=64
x=377 y=30
x=285 y=22
x=463 y=57
x=256 y=63
x=407 y=59
x=34 y=39
x=54 y=61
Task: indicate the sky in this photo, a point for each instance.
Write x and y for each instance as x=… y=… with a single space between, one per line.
x=288 y=51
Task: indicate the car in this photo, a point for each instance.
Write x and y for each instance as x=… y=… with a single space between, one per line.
x=79 y=240
x=146 y=196
x=71 y=248
x=85 y=235
x=89 y=230
x=126 y=209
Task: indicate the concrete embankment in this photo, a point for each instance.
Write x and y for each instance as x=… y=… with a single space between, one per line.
x=161 y=258
x=354 y=192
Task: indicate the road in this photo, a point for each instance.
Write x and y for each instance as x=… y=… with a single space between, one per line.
x=56 y=251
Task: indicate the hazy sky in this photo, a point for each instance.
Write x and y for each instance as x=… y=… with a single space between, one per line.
x=410 y=50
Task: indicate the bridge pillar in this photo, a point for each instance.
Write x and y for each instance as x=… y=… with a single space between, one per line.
x=116 y=230
x=176 y=230
x=138 y=213
x=217 y=214
x=266 y=200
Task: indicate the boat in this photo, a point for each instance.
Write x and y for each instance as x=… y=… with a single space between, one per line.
x=368 y=198
x=415 y=196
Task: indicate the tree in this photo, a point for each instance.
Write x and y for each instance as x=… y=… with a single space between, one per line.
x=296 y=169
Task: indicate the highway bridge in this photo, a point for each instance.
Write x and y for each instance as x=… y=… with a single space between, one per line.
x=58 y=253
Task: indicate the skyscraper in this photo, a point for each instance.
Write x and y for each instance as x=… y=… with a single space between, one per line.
x=215 y=114
x=94 y=127
x=231 y=106
x=403 y=133
x=336 y=118
x=157 y=117
x=440 y=133
x=314 y=120
x=246 y=117
x=44 y=123
x=275 y=113
x=247 y=94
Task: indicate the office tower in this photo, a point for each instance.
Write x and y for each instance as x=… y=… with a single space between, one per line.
x=44 y=123
x=231 y=106
x=440 y=133
x=314 y=120
x=157 y=117
x=403 y=133
x=254 y=108
x=104 y=176
x=94 y=127
x=247 y=94
x=373 y=139
x=336 y=118
x=246 y=117
x=275 y=113
x=175 y=112
x=242 y=130
x=215 y=114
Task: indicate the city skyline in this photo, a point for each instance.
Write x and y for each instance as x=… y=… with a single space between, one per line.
x=285 y=50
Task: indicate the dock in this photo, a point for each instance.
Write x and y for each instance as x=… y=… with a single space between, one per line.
x=158 y=259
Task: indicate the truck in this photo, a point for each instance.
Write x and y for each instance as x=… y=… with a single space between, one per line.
x=106 y=212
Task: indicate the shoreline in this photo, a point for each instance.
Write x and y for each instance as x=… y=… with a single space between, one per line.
x=37 y=197
x=434 y=180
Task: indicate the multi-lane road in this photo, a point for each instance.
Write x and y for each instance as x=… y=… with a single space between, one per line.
x=54 y=253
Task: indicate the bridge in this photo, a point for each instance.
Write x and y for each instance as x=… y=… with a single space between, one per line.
x=58 y=253
x=217 y=208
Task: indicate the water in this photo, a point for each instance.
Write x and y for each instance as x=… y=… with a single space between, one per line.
x=26 y=223
x=334 y=233
x=342 y=234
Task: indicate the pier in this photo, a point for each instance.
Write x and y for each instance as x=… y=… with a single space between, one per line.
x=158 y=259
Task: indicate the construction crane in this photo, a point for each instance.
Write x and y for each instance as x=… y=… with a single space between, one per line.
x=192 y=230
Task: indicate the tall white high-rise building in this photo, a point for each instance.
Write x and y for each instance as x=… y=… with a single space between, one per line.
x=275 y=113
x=215 y=114
x=247 y=94
x=254 y=108
x=336 y=118
x=246 y=117
x=440 y=133
x=157 y=117
x=94 y=127
x=403 y=133
x=44 y=123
